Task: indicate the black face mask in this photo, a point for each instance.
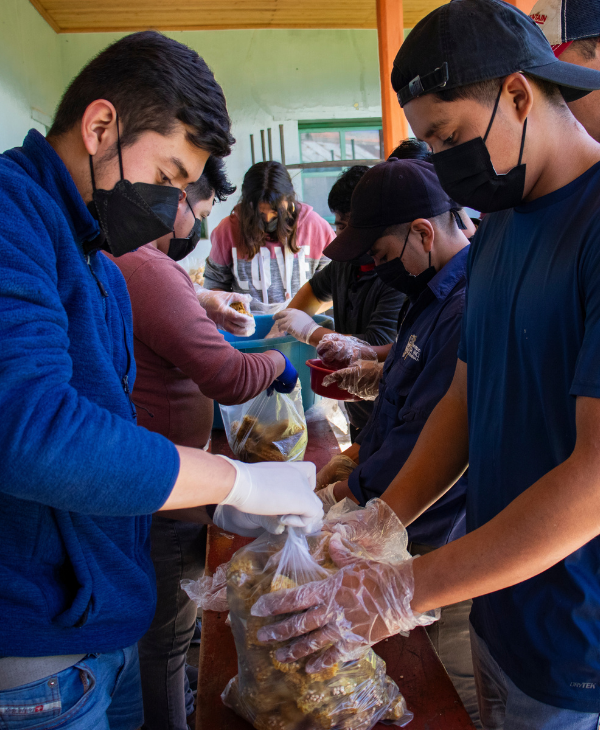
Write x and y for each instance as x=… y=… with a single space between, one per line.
x=394 y=274
x=466 y=173
x=132 y=214
x=271 y=226
x=179 y=248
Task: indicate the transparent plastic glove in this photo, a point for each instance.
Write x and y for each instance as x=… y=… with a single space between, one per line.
x=338 y=469
x=296 y=323
x=217 y=306
x=374 y=531
x=364 y=602
x=277 y=489
x=340 y=351
x=230 y=519
x=209 y=592
x=361 y=379
x=327 y=496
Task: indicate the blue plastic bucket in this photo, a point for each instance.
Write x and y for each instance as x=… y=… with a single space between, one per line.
x=297 y=352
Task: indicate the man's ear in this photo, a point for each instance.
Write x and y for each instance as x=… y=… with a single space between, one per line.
x=423 y=228
x=521 y=94
x=99 y=126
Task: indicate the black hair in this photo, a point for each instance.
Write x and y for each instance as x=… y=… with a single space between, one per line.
x=586 y=47
x=486 y=92
x=213 y=180
x=412 y=149
x=267 y=182
x=341 y=192
x=152 y=81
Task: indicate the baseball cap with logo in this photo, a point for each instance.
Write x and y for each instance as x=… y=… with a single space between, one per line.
x=565 y=21
x=393 y=192
x=467 y=41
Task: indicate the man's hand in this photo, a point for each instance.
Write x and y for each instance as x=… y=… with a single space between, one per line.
x=340 y=351
x=360 y=379
x=230 y=519
x=296 y=323
x=364 y=602
x=282 y=490
x=217 y=306
x=337 y=469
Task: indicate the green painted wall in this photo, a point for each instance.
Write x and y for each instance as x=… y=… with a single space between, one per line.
x=30 y=71
x=269 y=77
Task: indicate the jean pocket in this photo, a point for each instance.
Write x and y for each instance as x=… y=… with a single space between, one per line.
x=48 y=703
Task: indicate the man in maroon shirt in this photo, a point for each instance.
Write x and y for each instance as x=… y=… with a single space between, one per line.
x=183 y=362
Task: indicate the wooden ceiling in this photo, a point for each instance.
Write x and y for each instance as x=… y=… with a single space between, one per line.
x=87 y=16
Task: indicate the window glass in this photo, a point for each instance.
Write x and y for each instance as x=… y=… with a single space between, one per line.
x=362 y=144
x=319 y=146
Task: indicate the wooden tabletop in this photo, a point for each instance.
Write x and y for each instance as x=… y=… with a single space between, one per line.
x=411 y=662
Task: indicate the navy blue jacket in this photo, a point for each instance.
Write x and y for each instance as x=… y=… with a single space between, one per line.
x=78 y=477
x=417 y=373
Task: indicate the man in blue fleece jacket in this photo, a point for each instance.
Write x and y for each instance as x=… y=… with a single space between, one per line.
x=78 y=477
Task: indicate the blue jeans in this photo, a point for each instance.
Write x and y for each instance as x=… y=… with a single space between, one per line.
x=178 y=551
x=502 y=705
x=101 y=692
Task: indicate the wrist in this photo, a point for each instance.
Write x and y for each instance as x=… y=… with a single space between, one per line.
x=278 y=360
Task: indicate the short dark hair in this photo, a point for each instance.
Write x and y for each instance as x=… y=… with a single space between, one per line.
x=341 y=192
x=152 y=81
x=412 y=149
x=586 y=47
x=213 y=180
x=485 y=92
x=267 y=182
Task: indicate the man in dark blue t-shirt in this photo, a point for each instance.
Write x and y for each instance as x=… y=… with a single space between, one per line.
x=480 y=84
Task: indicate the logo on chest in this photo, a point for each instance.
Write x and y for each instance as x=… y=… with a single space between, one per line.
x=411 y=350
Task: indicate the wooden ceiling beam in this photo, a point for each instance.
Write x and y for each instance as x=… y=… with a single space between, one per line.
x=92 y=16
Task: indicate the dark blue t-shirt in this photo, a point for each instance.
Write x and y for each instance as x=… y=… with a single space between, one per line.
x=531 y=338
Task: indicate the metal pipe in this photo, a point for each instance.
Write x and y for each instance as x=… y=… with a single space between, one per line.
x=282 y=144
x=252 y=148
x=353 y=149
x=270 y=143
x=262 y=142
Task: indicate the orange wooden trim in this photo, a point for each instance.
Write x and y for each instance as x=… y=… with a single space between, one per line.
x=390 y=33
x=45 y=15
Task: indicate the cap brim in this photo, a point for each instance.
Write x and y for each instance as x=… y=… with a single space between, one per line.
x=575 y=81
x=352 y=243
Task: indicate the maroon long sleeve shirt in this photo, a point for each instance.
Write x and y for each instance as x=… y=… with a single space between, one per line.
x=183 y=361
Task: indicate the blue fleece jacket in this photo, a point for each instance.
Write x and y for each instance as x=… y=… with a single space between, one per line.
x=78 y=478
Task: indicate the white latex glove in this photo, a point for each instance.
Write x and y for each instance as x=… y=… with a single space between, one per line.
x=296 y=323
x=216 y=304
x=275 y=489
x=232 y=520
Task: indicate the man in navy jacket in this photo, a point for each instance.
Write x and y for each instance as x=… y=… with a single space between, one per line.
x=78 y=478
x=416 y=235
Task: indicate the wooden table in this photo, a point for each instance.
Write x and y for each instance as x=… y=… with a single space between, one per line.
x=411 y=662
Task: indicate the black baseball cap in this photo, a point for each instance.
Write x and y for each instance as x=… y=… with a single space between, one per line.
x=467 y=41
x=393 y=192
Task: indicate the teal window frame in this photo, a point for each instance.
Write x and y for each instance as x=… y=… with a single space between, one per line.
x=343 y=126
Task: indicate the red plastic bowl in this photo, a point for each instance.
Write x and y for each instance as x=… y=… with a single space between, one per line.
x=317 y=372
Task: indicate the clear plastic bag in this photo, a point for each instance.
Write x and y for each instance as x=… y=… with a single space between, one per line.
x=268 y=427
x=351 y=695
